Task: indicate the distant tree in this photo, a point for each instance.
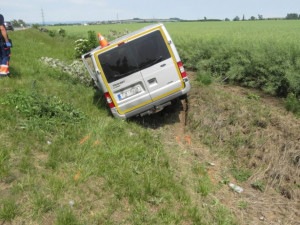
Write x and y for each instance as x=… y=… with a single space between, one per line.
x=260 y=17
x=35 y=26
x=18 y=23
x=175 y=18
x=292 y=16
x=15 y=23
x=227 y=19
x=22 y=23
x=236 y=18
x=243 y=17
x=252 y=18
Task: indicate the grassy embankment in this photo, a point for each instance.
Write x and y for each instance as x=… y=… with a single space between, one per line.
x=120 y=172
x=65 y=160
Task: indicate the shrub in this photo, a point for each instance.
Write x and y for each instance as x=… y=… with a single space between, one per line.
x=204 y=77
x=62 y=32
x=81 y=46
x=84 y=45
x=292 y=104
x=52 y=33
x=270 y=67
x=92 y=39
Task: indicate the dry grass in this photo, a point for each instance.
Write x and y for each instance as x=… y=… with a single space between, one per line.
x=265 y=138
x=255 y=138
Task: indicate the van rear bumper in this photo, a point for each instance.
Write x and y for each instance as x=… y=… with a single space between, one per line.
x=153 y=106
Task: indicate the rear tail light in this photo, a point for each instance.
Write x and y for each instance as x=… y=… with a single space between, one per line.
x=181 y=68
x=109 y=100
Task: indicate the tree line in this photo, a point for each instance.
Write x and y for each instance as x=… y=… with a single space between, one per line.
x=289 y=16
x=18 y=23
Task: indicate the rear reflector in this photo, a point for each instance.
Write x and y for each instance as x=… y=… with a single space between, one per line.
x=109 y=100
x=181 y=68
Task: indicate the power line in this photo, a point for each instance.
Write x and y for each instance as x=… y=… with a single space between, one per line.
x=43 y=17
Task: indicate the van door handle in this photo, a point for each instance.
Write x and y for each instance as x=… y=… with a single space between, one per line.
x=162 y=65
x=152 y=81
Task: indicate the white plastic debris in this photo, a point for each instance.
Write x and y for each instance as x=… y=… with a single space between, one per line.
x=262 y=218
x=211 y=164
x=71 y=203
x=236 y=188
x=49 y=142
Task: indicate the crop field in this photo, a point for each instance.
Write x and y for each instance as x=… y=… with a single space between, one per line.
x=65 y=161
x=259 y=54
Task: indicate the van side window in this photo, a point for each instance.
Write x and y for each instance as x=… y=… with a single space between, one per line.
x=151 y=49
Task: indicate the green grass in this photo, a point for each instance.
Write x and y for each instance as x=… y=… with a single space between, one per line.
x=66 y=217
x=259 y=185
x=8 y=209
x=240 y=174
x=203 y=184
x=41 y=204
x=59 y=144
x=4 y=157
x=243 y=204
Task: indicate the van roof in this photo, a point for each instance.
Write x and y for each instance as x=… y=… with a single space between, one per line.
x=130 y=35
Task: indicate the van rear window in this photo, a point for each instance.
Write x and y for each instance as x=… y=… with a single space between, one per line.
x=134 y=56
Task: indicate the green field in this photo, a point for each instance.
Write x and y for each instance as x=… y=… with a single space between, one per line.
x=259 y=54
x=65 y=160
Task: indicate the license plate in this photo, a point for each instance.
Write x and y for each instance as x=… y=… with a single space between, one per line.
x=130 y=92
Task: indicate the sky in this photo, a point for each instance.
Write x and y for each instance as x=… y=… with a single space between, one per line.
x=30 y=11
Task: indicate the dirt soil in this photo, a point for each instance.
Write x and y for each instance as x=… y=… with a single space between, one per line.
x=185 y=147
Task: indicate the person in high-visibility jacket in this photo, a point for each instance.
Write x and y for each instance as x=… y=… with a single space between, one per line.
x=5 y=45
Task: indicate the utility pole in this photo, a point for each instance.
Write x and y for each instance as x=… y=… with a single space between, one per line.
x=118 y=18
x=43 y=18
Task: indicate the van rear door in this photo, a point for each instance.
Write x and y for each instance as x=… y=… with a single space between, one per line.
x=124 y=79
x=158 y=66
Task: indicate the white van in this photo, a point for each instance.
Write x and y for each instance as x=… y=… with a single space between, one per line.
x=139 y=73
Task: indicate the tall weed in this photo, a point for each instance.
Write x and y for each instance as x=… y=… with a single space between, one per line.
x=8 y=209
x=248 y=54
x=41 y=110
x=292 y=104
